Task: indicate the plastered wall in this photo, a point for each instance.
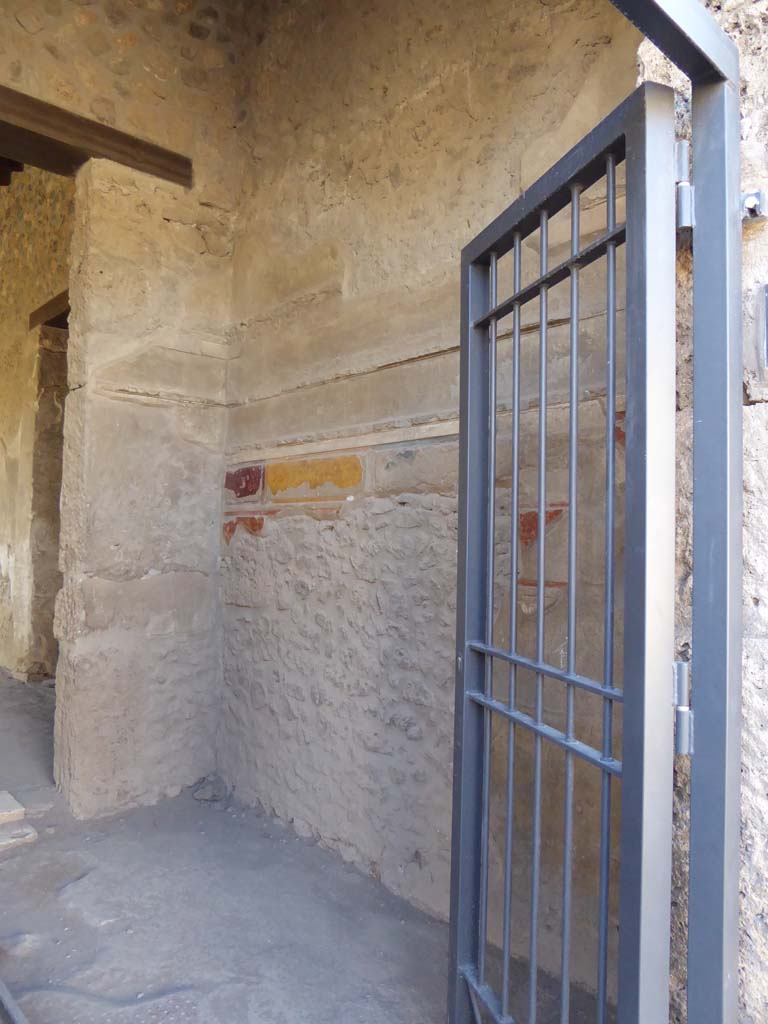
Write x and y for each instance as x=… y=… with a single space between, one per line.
x=408 y=129
x=36 y=218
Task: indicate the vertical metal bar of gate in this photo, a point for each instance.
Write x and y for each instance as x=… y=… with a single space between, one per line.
x=470 y=666
x=646 y=846
x=642 y=130
x=713 y=906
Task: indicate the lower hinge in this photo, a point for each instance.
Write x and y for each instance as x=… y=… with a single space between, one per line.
x=686 y=212
x=683 y=709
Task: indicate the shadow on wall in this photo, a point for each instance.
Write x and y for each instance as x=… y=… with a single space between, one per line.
x=47 y=461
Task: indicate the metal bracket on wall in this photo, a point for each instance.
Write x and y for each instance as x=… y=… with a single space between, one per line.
x=754 y=205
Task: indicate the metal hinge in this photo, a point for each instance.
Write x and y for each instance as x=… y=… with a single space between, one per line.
x=683 y=709
x=686 y=205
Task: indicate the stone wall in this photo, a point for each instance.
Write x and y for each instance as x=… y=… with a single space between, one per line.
x=36 y=217
x=408 y=129
x=140 y=501
x=140 y=664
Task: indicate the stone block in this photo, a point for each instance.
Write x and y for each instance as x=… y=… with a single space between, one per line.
x=391 y=396
x=135 y=717
x=10 y=809
x=153 y=507
x=164 y=373
x=157 y=604
x=15 y=835
x=347 y=335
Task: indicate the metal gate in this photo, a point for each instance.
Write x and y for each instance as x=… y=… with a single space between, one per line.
x=520 y=679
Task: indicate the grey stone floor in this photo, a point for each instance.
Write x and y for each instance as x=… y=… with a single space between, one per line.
x=194 y=913
x=188 y=913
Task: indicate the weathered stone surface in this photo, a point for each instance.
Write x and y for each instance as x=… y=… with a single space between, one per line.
x=156 y=604
x=15 y=835
x=135 y=716
x=429 y=468
x=36 y=216
x=167 y=484
x=141 y=496
x=326 y=651
x=754 y=936
x=10 y=809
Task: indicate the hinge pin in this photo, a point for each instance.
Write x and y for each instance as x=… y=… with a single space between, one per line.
x=683 y=710
x=686 y=214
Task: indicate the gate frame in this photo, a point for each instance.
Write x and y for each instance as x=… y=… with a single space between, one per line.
x=691 y=38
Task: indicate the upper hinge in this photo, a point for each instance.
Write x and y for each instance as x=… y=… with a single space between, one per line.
x=686 y=212
x=683 y=709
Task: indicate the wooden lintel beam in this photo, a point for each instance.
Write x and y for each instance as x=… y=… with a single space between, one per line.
x=51 y=309
x=7 y=169
x=38 y=133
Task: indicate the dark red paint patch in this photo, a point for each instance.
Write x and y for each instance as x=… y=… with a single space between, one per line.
x=245 y=481
x=528 y=527
x=251 y=524
x=553 y=584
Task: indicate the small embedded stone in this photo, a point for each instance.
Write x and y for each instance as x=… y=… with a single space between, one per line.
x=120 y=67
x=115 y=14
x=194 y=77
x=198 y=31
x=97 y=43
x=211 y=790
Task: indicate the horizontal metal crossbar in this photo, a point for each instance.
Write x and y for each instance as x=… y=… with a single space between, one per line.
x=553 y=277
x=581 y=750
x=541 y=668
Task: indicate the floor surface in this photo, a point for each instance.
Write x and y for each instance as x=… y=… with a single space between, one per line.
x=191 y=912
